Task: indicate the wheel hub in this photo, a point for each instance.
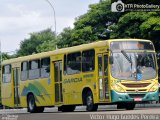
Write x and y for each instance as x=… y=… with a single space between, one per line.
x=89 y=100
x=31 y=104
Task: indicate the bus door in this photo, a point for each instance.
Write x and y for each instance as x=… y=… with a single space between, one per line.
x=7 y=93
x=16 y=81
x=103 y=77
x=58 y=82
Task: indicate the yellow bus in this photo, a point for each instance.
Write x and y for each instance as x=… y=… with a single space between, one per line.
x=118 y=71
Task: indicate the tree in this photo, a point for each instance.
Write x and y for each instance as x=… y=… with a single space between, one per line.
x=150 y=29
x=38 y=42
x=95 y=21
x=49 y=42
x=89 y=26
x=96 y=24
x=128 y=25
x=143 y=25
x=65 y=38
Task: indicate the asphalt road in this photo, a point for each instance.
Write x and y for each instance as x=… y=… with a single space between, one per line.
x=141 y=112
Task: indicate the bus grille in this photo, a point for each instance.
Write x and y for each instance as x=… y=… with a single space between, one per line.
x=139 y=90
x=137 y=85
x=136 y=95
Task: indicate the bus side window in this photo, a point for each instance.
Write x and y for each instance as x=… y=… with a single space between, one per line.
x=45 y=67
x=34 y=69
x=100 y=65
x=65 y=65
x=6 y=74
x=24 y=70
x=88 y=60
x=105 y=65
x=74 y=63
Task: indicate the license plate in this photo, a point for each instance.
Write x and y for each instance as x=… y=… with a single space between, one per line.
x=137 y=99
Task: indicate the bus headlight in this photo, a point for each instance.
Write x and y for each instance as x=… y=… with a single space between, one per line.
x=118 y=88
x=154 y=88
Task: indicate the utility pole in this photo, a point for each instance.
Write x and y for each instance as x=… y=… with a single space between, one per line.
x=54 y=16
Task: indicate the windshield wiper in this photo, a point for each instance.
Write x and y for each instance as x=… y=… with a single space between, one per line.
x=126 y=56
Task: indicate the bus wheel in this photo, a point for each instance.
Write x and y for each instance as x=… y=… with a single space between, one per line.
x=130 y=106
x=121 y=105
x=32 y=108
x=70 y=108
x=90 y=106
x=40 y=109
x=67 y=108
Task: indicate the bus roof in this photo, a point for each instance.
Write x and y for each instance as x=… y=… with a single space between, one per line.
x=67 y=50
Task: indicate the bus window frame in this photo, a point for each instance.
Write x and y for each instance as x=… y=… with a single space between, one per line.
x=38 y=69
x=25 y=70
x=65 y=62
x=45 y=67
x=8 y=73
x=93 y=59
x=80 y=63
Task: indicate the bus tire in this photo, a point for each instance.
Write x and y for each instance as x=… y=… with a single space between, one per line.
x=67 y=108
x=32 y=108
x=121 y=105
x=71 y=108
x=130 y=106
x=40 y=109
x=90 y=106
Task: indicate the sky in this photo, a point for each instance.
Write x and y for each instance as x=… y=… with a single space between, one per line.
x=18 y=18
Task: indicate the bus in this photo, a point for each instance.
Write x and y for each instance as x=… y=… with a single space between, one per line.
x=115 y=71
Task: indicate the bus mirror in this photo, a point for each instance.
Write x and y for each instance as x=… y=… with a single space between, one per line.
x=111 y=59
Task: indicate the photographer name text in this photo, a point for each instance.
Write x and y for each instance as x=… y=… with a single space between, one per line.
x=125 y=116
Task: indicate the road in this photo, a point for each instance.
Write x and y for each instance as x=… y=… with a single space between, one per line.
x=141 y=112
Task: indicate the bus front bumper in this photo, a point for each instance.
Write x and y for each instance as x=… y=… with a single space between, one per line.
x=134 y=97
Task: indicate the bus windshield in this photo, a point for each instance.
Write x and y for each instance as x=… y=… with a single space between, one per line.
x=126 y=67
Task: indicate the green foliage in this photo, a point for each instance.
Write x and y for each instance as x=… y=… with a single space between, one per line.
x=128 y=25
x=97 y=21
x=49 y=42
x=152 y=23
x=96 y=18
x=90 y=25
x=143 y=25
x=38 y=42
x=150 y=29
x=5 y=56
x=65 y=38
